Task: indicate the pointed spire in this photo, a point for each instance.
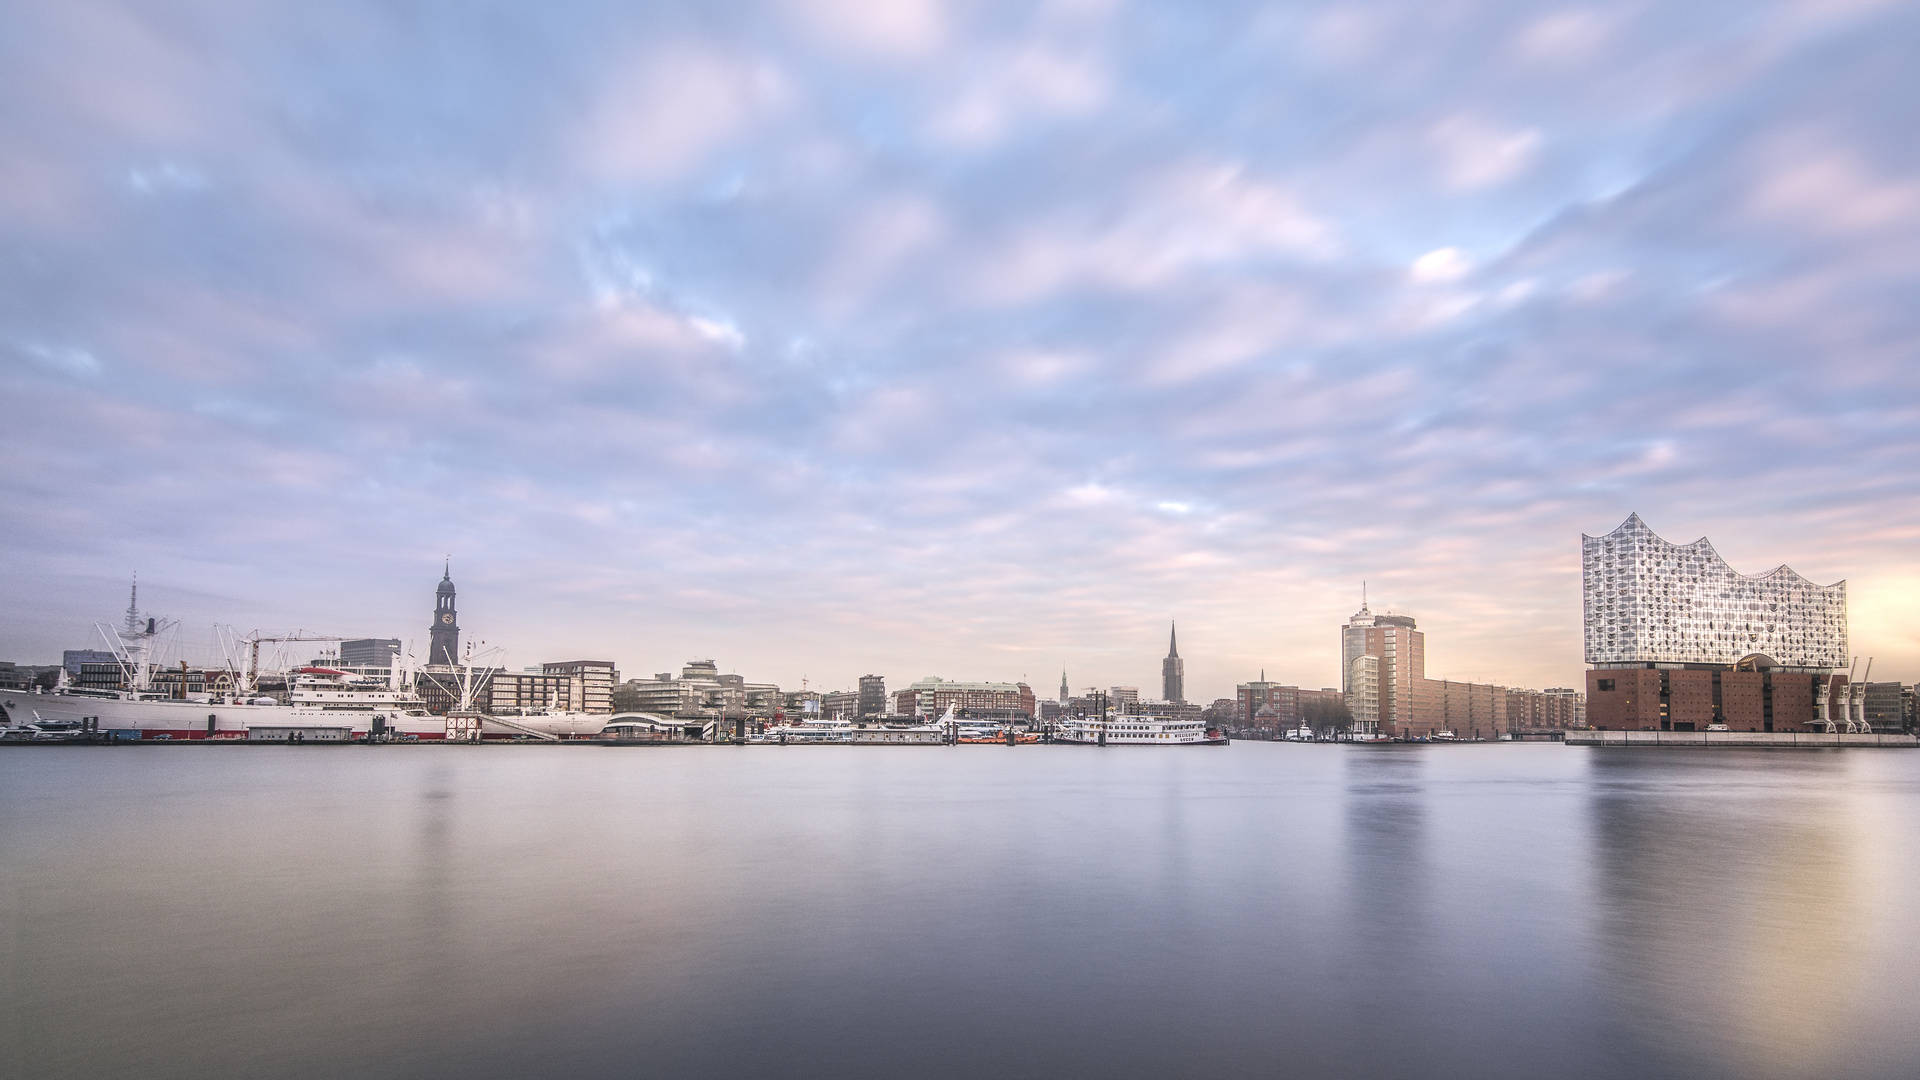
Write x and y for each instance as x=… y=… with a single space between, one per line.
x=1173 y=640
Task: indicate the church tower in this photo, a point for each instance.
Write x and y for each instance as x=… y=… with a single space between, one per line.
x=1173 y=671
x=1063 y=686
x=444 y=646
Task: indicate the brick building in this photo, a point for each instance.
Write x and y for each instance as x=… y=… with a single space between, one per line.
x=1468 y=710
x=1289 y=704
x=1692 y=699
x=1558 y=709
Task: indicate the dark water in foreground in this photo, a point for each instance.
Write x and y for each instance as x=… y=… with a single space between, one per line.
x=1263 y=910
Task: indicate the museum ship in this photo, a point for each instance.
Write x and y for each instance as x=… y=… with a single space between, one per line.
x=316 y=702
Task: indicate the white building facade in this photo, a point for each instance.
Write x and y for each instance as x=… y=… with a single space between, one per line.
x=1647 y=601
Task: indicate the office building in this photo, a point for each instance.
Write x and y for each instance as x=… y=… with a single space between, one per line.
x=1544 y=711
x=26 y=676
x=102 y=675
x=1575 y=703
x=1886 y=707
x=594 y=682
x=873 y=695
x=509 y=692
x=71 y=659
x=1166 y=710
x=1677 y=640
x=700 y=691
x=369 y=652
x=1383 y=658
x=842 y=705
x=1173 y=671
x=1363 y=694
x=930 y=698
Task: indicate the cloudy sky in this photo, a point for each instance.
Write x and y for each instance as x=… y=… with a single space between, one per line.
x=828 y=337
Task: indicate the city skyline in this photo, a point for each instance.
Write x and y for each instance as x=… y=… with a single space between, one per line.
x=966 y=341
x=442 y=647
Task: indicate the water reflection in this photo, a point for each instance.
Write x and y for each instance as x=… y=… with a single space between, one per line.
x=1388 y=889
x=1735 y=906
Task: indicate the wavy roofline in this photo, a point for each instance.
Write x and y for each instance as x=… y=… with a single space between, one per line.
x=1703 y=542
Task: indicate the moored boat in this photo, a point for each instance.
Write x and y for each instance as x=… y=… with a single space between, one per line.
x=1121 y=729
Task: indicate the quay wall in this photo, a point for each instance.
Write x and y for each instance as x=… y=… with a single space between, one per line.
x=1733 y=739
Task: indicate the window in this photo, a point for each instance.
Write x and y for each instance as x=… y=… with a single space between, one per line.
x=1604 y=684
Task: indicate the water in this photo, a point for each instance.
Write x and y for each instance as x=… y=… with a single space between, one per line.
x=1260 y=910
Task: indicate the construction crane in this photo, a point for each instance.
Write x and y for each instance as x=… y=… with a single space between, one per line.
x=253 y=663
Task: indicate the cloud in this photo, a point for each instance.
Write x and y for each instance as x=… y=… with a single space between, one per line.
x=1033 y=83
x=1174 y=221
x=1806 y=185
x=893 y=29
x=1570 y=36
x=661 y=111
x=63 y=359
x=1441 y=265
x=1474 y=153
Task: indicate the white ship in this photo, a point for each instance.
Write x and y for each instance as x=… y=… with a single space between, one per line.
x=1123 y=730
x=820 y=731
x=139 y=706
x=339 y=703
x=319 y=703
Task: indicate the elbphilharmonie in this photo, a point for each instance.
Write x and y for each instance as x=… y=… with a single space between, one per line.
x=1677 y=640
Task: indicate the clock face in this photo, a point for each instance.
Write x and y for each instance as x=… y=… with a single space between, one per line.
x=447 y=618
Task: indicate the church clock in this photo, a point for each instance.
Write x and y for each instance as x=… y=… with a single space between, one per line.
x=444 y=642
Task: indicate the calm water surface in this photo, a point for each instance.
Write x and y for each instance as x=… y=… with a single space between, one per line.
x=1262 y=910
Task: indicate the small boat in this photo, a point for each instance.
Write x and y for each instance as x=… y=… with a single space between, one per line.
x=46 y=731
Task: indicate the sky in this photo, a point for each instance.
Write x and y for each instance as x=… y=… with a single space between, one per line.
x=984 y=340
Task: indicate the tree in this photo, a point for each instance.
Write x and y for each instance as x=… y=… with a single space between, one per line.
x=1326 y=716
